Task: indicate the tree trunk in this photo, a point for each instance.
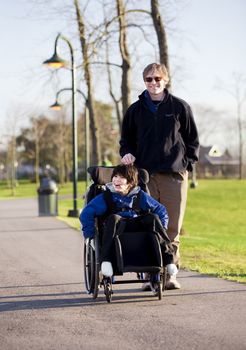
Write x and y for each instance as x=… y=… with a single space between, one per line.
x=37 y=180
x=126 y=60
x=61 y=141
x=161 y=36
x=95 y=139
x=37 y=150
x=111 y=91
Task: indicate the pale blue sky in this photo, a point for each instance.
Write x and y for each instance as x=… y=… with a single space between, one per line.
x=211 y=46
x=217 y=29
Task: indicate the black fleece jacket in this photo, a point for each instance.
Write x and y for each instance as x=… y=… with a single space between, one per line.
x=165 y=141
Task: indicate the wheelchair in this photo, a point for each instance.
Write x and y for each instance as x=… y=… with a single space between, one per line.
x=137 y=252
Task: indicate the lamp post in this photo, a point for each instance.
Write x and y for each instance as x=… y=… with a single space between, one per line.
x=57 y=106
x=194 y=182
x=56 y=62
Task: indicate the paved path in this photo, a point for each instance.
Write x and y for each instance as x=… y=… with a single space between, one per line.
x=43 y=304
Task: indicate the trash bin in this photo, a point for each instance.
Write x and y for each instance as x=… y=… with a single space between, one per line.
x=48 y=198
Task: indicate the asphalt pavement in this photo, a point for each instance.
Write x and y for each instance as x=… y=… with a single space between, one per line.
x=43 y=303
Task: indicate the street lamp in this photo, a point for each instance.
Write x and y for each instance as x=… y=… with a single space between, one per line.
x=57 y=106
x=57 y=62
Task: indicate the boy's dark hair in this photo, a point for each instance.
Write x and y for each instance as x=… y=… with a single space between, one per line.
x=129 y=172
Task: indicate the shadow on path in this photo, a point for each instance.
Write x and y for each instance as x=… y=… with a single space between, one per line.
x=69 y=300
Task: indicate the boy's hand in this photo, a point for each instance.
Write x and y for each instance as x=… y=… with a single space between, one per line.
x=128 y=159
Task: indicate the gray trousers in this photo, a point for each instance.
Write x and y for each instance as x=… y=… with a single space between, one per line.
x=171 y=191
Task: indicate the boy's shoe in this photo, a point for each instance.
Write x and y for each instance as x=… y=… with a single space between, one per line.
x=107 y=269
x=172 y=283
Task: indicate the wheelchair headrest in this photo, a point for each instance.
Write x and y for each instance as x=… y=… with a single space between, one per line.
x=102 y=175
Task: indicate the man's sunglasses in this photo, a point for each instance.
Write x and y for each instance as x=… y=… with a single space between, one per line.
x=156 y=79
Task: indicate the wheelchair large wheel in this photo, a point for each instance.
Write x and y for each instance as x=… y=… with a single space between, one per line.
x=164 y=278
x=91 y=267
x=159 y=290
x=156 y=282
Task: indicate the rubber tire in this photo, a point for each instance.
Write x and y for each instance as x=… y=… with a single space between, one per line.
x=159 y=290
x=89 y=268
x=108 y=292
x=96 y=268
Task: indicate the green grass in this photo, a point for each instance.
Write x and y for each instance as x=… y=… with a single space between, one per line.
x=215 y=224
x=64 y=206
x=22 y=189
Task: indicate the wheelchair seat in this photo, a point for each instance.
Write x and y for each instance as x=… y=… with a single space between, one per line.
x=138 y=252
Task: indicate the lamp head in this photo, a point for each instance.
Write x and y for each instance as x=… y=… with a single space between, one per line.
x=56 y=106
x=55 y=62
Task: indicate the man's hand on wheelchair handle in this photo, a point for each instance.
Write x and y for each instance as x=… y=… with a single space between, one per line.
x=128 y=159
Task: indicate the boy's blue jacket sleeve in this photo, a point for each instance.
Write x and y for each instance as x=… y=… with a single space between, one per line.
x=94 y=208
x=149 y=203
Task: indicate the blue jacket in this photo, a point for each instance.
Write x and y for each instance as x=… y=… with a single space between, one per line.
x=97 y=207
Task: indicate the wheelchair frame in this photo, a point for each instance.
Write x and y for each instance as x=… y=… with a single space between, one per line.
x=93 y=281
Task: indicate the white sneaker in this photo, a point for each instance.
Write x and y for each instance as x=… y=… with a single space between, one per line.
x=107 y=269
x=172 y=269
x=172 y=283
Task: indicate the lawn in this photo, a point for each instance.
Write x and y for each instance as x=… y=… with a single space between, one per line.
x=215 y=226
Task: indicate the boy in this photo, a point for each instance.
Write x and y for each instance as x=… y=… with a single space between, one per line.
x=123 y=191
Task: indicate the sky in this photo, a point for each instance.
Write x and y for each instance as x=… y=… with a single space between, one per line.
x=211 y=48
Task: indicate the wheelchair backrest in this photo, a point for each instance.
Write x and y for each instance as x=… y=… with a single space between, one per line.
x=101 y=175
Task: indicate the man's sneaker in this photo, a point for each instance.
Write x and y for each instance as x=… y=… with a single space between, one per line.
x=146 y=287
x=172 y=269
x=107 y=269
x=172 y=283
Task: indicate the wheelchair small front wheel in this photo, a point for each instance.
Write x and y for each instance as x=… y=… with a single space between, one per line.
x=108 y=289
x=159 y=290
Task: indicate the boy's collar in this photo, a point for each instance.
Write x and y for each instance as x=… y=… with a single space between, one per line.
x=133 y=190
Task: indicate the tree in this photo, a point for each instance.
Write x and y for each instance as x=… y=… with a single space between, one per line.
x=108 y=132
x=126 y=62
x=209 y=122
x=96 y=151
x=161 y=36
x=116 y=100
x=31 y=141
x=93 y=36
x=238 y=92
x=15 y=116
x=12 y=161
x=62 y=135
x=39 y=126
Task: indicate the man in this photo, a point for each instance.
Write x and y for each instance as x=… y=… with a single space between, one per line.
x=159 y=134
